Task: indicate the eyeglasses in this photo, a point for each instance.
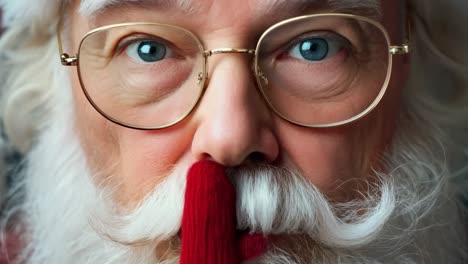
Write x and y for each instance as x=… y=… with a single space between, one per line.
x=320 y=70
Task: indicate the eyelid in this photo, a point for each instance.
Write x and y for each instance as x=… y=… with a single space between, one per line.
x=325 y=34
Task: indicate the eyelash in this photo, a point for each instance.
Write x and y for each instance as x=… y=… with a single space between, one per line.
x=321 y=34
x=127 y=40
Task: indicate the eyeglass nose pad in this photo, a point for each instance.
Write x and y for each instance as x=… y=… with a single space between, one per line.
x=262 y=76
x=200 y=78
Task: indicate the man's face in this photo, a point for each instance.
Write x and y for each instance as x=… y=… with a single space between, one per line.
x=232 y=124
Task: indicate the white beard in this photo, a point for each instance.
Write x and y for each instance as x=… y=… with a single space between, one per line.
x=410 y=217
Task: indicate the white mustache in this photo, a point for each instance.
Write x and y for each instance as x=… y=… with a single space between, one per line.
x=270 y=200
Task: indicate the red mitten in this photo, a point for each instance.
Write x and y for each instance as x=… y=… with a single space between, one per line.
x=252 y=246
x=209 y=220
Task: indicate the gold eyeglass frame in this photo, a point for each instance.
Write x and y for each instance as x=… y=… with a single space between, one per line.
x=402 y=49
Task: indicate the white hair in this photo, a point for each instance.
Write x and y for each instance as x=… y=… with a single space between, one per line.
x=3 y=166
x=414 y=217
x=42 y=12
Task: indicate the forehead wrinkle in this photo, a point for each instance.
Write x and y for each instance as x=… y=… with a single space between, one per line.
x=372 y=7
x=270 y=6
x=92 y=7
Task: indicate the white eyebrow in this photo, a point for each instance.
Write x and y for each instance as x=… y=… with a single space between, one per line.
x=90 y=7
x=374 y=6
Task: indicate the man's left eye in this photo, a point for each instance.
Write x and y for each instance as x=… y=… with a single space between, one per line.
x=148 y=51
x=317 y=48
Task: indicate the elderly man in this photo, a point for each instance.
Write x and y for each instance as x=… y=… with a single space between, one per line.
x=235 y=131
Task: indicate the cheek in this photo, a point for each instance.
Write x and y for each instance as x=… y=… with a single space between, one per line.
x=97 y=139
x=324 y=157
x=146 y=158
x=130 y=160
x=339 y=160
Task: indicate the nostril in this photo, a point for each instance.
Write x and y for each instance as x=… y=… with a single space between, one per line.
x=257 y=157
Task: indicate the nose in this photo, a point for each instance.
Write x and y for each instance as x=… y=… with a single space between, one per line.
x=234 y=123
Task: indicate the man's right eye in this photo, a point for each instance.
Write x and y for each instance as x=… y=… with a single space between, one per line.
x=147 y=51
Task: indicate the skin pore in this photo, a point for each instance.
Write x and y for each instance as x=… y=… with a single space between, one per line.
x=232 y=124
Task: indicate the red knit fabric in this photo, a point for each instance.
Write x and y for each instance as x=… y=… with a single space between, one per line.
x=209 y=220
x=252 y=246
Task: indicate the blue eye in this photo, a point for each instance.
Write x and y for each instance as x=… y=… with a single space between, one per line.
x=317 y=49
x=148 y=51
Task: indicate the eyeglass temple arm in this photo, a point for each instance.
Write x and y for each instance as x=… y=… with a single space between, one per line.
x=400 y=50
x=65 y=59
x=404 y=48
